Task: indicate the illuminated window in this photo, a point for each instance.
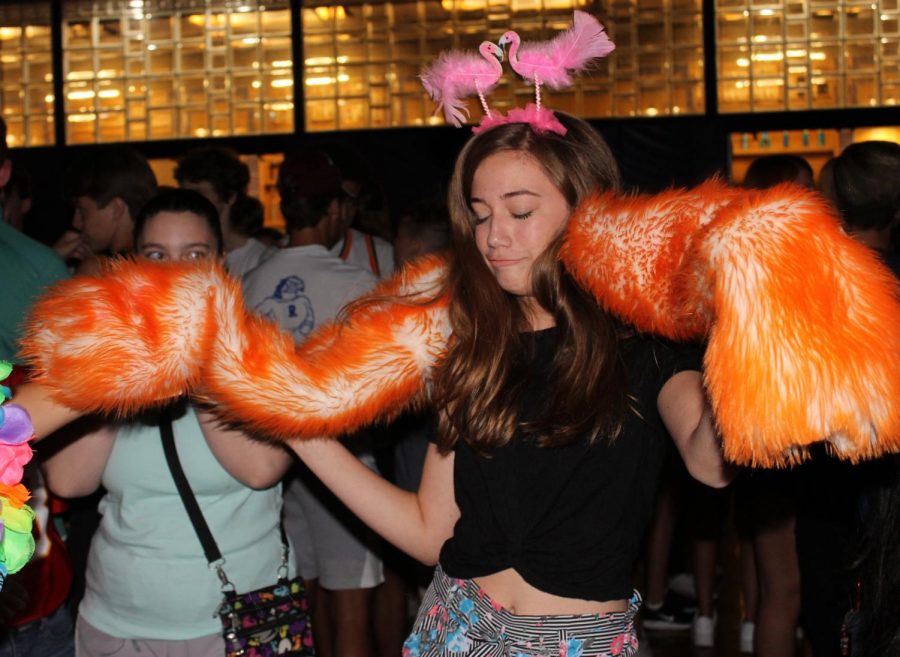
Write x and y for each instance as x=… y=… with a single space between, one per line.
x=797 y=55
x=160 y=69
x=362 y=60
x=26 y=74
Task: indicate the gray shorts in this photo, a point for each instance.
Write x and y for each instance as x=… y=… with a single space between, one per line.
x=91 y=642
x=330 y=543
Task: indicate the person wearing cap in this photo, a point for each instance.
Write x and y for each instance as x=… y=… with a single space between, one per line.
x=301 y=287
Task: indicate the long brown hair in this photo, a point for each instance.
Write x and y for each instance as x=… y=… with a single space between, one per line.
x=479 y=386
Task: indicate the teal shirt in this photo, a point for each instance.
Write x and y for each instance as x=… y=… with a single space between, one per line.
x=146 y=574
x=26 y=268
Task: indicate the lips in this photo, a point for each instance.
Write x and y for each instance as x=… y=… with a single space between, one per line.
x=504 y=262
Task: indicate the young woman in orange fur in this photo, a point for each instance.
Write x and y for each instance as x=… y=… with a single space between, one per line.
x=540 y=482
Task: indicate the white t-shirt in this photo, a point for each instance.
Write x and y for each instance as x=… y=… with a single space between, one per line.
x=302 y=287
x=247 y=257
x=353 y=250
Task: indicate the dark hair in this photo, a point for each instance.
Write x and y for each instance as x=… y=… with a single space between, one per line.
x=220 y=167
x=308 y=181
x=109 y=172
x=20 y=183
x=176 y=201
x=246 y=215
x=866 y=184
x=428 y=221
x=477 y=388
x=770 y=170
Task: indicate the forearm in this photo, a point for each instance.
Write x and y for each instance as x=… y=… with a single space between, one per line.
x=702 y=454
x=395 y=514
x=255 y=463
x=46 y=415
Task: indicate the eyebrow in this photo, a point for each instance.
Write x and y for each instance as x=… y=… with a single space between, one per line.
x=192 y=245
x=503 y=197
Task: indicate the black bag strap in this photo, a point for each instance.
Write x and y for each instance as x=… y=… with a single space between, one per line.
x=210 y=549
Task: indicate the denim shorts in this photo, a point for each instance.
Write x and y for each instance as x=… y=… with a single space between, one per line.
x=458 y=618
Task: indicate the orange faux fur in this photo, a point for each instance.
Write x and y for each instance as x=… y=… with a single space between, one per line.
x=344 y=376
x=802 y=320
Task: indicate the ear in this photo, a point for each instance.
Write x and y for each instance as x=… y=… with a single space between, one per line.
x=118 y=208
x=5 y=172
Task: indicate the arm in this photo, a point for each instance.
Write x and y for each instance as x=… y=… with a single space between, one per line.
x=76 y=469
x=254 y=463
x=417 y=523
x=46 y=415
x=685 y=412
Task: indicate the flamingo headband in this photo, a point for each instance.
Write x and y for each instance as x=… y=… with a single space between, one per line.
x=458 y=74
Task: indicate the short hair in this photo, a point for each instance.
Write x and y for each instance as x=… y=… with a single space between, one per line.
x=866 y=184
x=770 y=170
x=428 y=221
x=308 y=181
x=220 y=167
x=109 y=172
x=246 y=215
x=181 y=200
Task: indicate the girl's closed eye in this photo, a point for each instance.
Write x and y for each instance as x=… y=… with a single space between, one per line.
x=523 y=215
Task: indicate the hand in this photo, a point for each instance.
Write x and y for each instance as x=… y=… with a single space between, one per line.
x=72 y=246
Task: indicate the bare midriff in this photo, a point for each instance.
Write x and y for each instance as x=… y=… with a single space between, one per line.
x=508 y=589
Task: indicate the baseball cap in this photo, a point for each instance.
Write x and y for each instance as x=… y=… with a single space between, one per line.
x=307 y=174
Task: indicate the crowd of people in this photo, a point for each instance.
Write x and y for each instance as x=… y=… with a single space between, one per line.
x=527 y=491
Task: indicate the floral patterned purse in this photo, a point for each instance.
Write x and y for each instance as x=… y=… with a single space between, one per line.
x=266 y=622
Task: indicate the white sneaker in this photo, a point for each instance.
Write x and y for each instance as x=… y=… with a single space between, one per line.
x=703 y=631
x=747 y=631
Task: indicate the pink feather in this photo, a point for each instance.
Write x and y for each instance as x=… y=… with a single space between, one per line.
x=552 y=62
x=457 y=74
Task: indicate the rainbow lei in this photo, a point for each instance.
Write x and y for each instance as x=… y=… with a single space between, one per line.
x=16 y=517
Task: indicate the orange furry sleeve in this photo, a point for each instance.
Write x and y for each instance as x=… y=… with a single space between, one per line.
x=345 y=375
x=143 y=333
x=801 y=320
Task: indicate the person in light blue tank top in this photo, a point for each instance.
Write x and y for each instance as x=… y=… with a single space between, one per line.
x=149 y=588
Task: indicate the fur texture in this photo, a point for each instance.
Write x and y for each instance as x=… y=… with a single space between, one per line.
x=345 y=375
x=801 y=320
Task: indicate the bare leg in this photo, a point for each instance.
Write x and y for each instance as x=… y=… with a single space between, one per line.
x=779 y=583
x=391 y=625
x=351 y=616
x=659 y=542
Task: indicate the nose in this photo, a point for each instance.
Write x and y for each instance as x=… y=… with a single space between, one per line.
x=498 y=232
x=77 y=220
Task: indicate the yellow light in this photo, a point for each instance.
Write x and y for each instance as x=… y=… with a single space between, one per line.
x=817 y=56
x=82 y=118
x=9 y=33
x=760 y=38
x=48 y=98
x=80 y=75
x=770 y=83
x=80 y=95
x=279 y=107
x=743 y=62
x=319 y=81
x=256 y=84
x=250 y=41
x=281 y=63
x=108 y=93
x=282 y=83
x=652 y=111
x=321 y=61
x=800 y=52
x=151 y=46
x=766 y=12
x=768 y=56
x=10 y=59
x=201 y=132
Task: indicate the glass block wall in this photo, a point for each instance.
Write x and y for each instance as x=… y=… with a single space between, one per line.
x=162 y=69
x=800 y=55
x=26 y=74
x=361 y=61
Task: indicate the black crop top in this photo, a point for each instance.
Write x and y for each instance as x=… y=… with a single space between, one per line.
x=569 y=520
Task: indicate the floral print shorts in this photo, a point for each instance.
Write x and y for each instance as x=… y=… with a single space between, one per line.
x=458 y=619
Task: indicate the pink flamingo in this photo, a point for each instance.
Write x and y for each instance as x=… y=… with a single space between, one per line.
x=456 y=75
x=552 y=62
